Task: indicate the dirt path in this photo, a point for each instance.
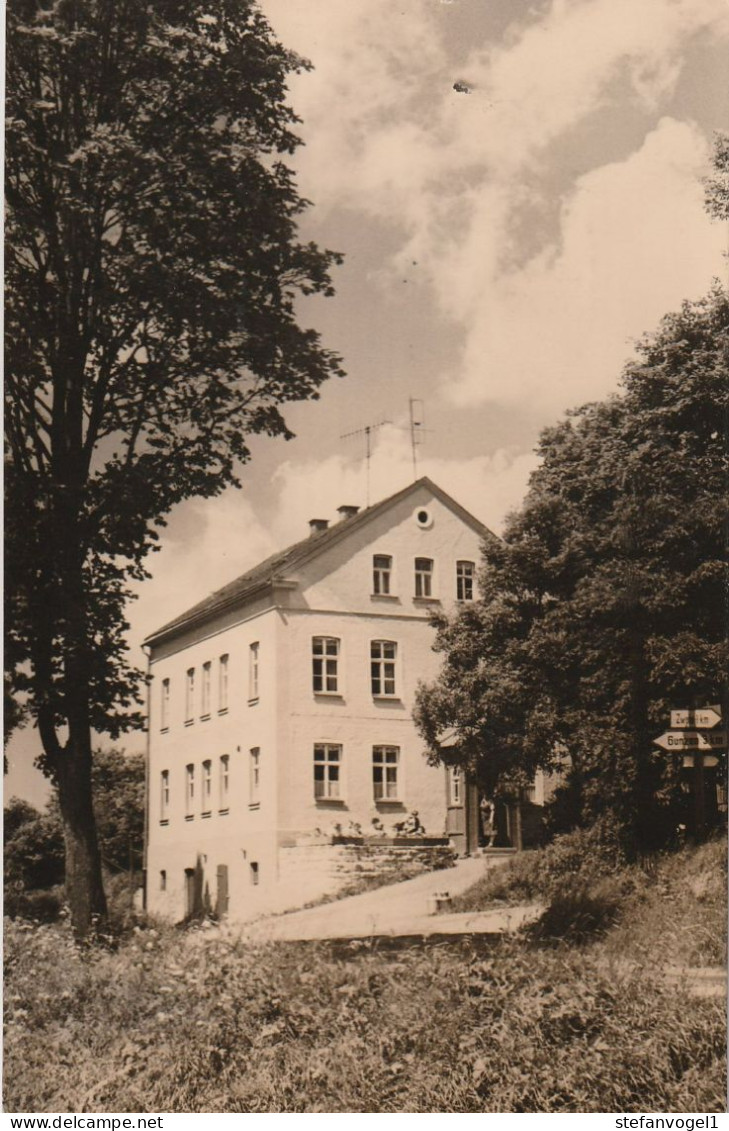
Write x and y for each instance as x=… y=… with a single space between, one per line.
x=398 y=909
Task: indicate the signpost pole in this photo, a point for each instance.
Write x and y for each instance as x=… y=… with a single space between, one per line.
x=696 y=732
x=699 y=795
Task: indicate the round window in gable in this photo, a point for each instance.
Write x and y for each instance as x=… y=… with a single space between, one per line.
x=423 y=518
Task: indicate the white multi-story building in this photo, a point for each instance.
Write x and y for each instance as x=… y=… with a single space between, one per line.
x=281 y=706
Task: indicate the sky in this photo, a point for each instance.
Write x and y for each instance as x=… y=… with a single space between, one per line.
x=516 y=188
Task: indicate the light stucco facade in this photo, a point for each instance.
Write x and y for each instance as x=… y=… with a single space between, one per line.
x=281 y=708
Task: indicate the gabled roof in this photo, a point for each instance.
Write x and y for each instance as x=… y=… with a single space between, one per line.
x=274 y=568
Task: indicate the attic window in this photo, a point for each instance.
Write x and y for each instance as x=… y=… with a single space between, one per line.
x=423 y=518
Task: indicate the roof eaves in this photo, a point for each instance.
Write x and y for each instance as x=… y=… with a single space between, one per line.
x=199 y=615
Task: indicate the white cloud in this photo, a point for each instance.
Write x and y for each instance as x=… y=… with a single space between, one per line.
x=384 y=127
x=557 y=70
x=634 y=242
x=387 y=136
x=488 y=486
x=208 y=543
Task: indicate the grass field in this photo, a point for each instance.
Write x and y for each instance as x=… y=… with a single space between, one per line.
x=672 y=908
x=171 y=1020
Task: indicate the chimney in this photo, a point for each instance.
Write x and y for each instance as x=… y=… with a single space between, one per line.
x=317 y=525
x=347 y=512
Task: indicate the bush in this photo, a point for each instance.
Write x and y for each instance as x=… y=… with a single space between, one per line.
x=579 y=911
x=120 y=892
x=36 y=906
x=580 y=858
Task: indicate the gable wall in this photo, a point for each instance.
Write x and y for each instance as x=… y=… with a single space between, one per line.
x=341 y=577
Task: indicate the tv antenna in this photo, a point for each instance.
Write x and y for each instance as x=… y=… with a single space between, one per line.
x=367 y=433
x=417 y=429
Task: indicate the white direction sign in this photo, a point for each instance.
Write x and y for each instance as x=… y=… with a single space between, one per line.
x=692 y=740
x=701 y=717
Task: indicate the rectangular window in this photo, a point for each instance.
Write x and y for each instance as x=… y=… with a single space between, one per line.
x=253 y=672
x=189 y=696
x=325 y=664
x=423 y=577
x=223 y=683
x=327 y=765
x=165 y=705
x=189 y=790
x=207 y=787
x=254 y=872
x=164 y=796
x=255 y=776
x=163 y=880
x=465 y=572
x=385 y=760
x=456 y=785
x=381 y=572
x=383 y=656
x=205 y=707
x=224 y=783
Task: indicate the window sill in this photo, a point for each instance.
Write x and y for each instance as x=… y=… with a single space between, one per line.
x=328 y=695
x=223 y=812
x=254 y=805
x=189 y=816
x=384 y=597
x=189 y=722
x=331 y=802
x=427 y=600
x=164 y=730
x=207 y=813
x=204 y=718
x=389 y=803
x=386 y=698
x=164 y=820
x=252 y=702
x=222 y=710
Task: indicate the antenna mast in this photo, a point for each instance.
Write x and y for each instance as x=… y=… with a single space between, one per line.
x=416 y=430
x=367 y=433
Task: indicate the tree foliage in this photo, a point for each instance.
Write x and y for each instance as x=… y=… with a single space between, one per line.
x=605 y=604
x=33 y=840
x=717 y=185
x=118 y=784
x=32 y=847
x=153 y=267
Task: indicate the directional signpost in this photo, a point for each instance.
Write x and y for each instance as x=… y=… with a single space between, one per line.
x=694 y=735
x=703 y=717
x=692 y=740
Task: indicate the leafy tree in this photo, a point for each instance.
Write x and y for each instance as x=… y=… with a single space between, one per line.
x=34 y=852
x=605 y=603
x=717 y=185
x=153 y=267
x=118 y=787
x=33 y=847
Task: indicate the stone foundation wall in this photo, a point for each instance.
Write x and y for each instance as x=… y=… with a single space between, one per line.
x=309 y=869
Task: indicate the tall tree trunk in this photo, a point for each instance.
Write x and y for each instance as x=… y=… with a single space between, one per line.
x=84 y=885
x=72 y=762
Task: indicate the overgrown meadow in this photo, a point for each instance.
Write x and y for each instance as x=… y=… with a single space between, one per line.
x=171 y=1020
x=571 y=1017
